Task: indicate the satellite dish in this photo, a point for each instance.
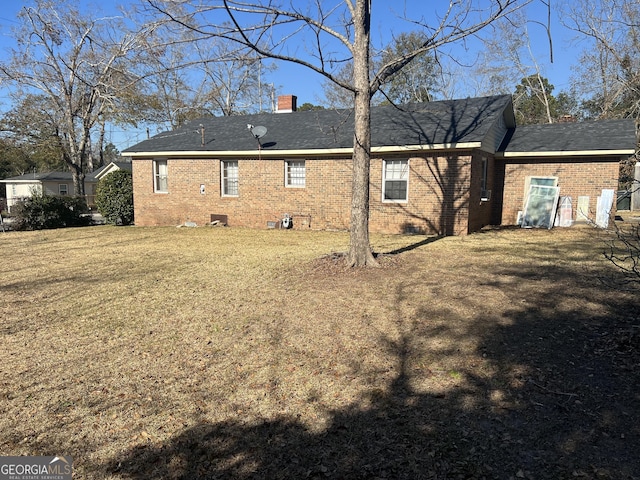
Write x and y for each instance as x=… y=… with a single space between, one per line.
x=258 y=131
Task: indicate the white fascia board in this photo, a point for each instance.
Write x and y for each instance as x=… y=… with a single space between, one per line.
x=8 y=180
x=568 y=153
x=309 y=152
x=109 y=169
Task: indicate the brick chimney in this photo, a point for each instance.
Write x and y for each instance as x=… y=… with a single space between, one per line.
x=567 y=119
x=287 y=104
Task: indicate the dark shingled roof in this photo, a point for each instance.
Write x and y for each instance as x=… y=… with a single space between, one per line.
x=43 y=177
x=572 y=137
x=432 y=123
x=64 y=176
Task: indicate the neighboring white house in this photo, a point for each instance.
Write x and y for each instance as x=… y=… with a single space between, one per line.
x=55 y=183
x=111 y=167
x=24 y=186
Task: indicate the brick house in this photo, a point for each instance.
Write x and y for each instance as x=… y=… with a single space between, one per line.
x=449 y=167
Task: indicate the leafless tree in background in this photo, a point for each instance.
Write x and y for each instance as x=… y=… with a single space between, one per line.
x=79 y=64
x=508 y=64
x=608 y=73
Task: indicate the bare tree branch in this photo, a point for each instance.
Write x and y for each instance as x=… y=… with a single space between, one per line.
x=78 y=63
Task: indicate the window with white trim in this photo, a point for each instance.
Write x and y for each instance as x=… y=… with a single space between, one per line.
x=295 y=175
x=229 y=172
x=535 y=180
x=544 y=181
x=63 y=189
x=395 y=180
x=160 y=176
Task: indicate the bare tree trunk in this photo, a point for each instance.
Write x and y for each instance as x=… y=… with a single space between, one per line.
x=360 y=249
x=101 y=144
x=78 y=179
x=348 y=23
x=543 y=96
x=89 y=154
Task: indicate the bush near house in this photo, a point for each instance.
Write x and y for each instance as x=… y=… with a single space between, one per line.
x=42 y=211
x=114 y=197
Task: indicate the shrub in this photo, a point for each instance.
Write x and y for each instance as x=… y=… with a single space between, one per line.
x=114 y=197
x=42 y=211
x=623 y=249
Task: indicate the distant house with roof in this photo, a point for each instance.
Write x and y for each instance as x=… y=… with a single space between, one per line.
x=449 y=167
x=109 y=168
x=54 y=183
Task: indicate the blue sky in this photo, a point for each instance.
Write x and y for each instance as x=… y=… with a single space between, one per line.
x=307 y=85
x=296 y=80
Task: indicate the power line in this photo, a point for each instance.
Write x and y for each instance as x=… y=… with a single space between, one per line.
x=8 y=20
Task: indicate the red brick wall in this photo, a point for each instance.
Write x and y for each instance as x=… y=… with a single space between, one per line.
x=576 y=177
x=438 y=195
x=287 y=103
x=443 y=192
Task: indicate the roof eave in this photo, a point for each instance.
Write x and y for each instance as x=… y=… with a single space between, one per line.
x=8 y=180
x=306 y=152
x=567 y=153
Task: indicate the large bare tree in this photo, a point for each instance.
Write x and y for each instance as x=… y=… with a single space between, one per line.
x=417 y=82
x=77 y=63
x=608 y=73
x=323 y=36
x=188 y=79
x=234 y=83
x=509 y=56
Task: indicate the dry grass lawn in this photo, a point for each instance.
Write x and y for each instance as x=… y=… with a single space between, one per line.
x=193 y=353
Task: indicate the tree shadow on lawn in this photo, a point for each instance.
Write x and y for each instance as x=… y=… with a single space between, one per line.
x=415 y=245
x=559 y=400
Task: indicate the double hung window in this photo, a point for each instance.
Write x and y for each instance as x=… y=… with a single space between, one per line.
x=395 y=180
x=160 y=177
x=229 y=172
x=295 y=173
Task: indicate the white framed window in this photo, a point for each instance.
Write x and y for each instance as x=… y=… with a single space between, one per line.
x=295 y=173
x=544 y=181
x=229 y=173
x=538 y=181
x=63 y=189
x=395 y=180
x=160 y=176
